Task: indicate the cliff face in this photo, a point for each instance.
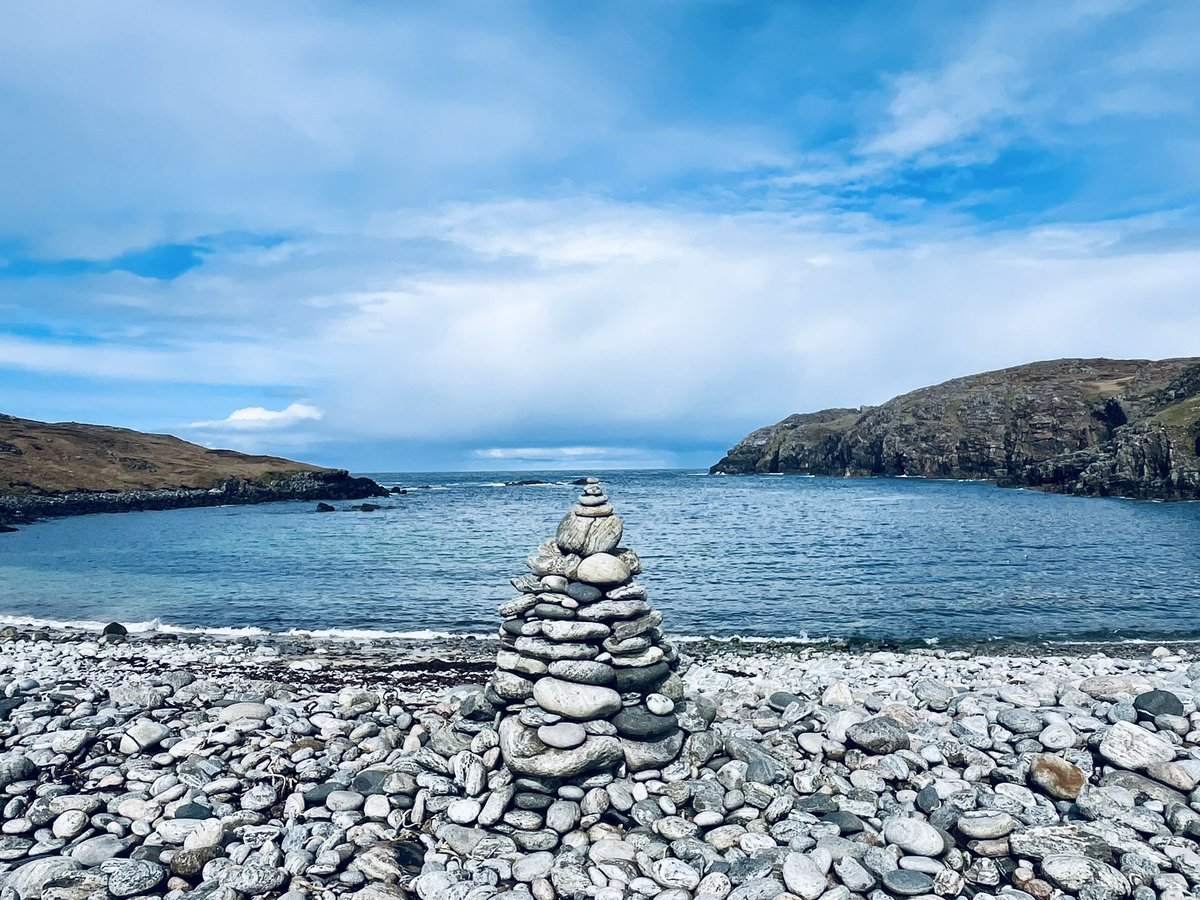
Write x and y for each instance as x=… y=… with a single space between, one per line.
x=1095 y=427
x=70 y=469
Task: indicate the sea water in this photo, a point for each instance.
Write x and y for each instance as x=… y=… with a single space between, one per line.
x=761 y=557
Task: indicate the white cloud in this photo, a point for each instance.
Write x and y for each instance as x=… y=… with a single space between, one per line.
x=256 y=418
x=456 y=265
x=591 y=324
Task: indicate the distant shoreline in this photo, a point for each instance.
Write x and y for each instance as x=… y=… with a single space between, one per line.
x=338 y=484
x=474 y=648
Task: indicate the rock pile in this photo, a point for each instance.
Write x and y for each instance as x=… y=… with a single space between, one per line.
x=584 y=677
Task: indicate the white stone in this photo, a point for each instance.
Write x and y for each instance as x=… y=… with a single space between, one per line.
x=659 y=705
x=916 y=837
x=1071 y=872
x=1130 y=747
x=674 y=873
x=602 y=569
x=566 y=630
x=144 y=734
x=576 y=701
x=463 y=812
x=247 y=710
x=803 y=876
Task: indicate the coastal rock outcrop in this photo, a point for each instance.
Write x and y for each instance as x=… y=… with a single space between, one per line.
x=1096 y=427
x=70 y=469
x=329 y=484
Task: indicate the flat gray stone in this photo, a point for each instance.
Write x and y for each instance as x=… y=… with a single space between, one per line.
x=532 y=866
x=583 y=671
x=1130 y=747
x=907 y=882
x=133 y=877
x=562 y=735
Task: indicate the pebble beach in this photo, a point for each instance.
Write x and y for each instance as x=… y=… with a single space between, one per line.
x=205 y=767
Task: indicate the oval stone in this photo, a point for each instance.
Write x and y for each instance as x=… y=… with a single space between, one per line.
x=1056 y=776
x=584 y=593
x=604 y=535
x=572 y=532
x=576 y=701
x=511 y=687
x=986 y=824
x=907 y=883
x=914 y=836
x=602 y=569
x=638 y=722
x=562 y=735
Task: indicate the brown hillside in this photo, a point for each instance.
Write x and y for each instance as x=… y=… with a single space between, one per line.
x=39 y=457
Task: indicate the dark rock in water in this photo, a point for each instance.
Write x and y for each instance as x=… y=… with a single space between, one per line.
x=879 y=735
x=367 y=507
x=7 y=529
x=1094 y=427
x=325 y=507
x=115 y=628
x=524 y=482
x=579 y=481
x=1158 y=703
x=396 y=489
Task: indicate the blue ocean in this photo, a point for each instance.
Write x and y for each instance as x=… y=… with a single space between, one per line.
x=760 y=557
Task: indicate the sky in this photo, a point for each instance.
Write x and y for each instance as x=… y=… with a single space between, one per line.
x=412 y=237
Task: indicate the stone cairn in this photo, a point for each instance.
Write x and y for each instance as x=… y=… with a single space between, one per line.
x=585 y=681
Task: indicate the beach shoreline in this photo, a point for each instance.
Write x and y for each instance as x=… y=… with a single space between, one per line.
x=311 y=752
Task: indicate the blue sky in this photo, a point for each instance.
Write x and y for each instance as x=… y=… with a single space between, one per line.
x=482 y=235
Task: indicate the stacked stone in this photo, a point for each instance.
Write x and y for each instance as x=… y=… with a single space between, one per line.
x=584 y=679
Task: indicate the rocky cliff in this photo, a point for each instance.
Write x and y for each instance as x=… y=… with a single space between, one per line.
x=69 y=469
x=1097 y=427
